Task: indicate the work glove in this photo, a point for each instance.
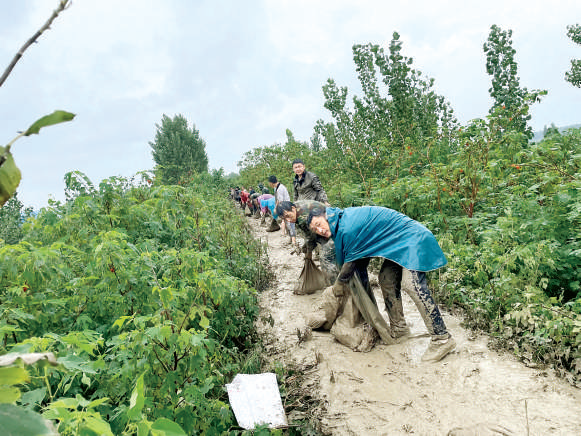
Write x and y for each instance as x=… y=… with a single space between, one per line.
x=340 y=288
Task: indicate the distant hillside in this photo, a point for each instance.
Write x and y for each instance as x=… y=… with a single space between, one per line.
x=539 y=135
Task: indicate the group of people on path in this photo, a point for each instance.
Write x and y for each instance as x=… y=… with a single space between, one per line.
x=346 y=240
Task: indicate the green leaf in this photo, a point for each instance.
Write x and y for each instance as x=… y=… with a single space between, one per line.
x=121 y=321
x=73 y=362
x=143 y=428
x=95 y=425
x=9 y=177
x=56 y=117
x=32 y=398
x=12 y=376
x=96 y=403
x=66 y=403
x=204 y=322
x=17 y=421
x=165 y=427
x=7 y=328
x=137 y=400
x=9 y=394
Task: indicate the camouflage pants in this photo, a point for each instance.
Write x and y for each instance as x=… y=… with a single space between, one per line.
x=390 y=278
x=327 y=260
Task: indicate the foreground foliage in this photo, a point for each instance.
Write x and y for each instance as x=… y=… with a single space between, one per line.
x=147 y=296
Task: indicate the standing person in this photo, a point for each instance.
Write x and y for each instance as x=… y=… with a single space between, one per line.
x=281 y=194
x=361 y=233
x=307 y=185
x=263 y=189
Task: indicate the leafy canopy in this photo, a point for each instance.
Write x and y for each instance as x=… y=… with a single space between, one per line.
x=506 y=90
x=12 y=215
x=573 y=76
x=178 y=150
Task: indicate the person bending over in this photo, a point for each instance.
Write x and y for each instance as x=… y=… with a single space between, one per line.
x=361 y=233
x=297 y=213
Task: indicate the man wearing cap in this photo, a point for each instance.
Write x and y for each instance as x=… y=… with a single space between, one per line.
x=361 y=233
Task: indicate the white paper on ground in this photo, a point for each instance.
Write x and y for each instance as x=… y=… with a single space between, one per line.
x=255 y=400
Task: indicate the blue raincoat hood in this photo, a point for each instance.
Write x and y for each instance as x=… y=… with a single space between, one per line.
x=372 y=231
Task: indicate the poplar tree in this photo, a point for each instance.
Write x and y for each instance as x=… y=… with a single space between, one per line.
x=12 y=215
x=506 y=90
x=573 y=76
x=178 y=150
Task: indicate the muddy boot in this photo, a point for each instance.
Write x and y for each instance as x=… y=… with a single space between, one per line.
x=400 y=333
x=370 y=337
x=439 y=348
x=273 y=226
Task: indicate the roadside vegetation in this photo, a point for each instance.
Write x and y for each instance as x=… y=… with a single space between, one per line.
x=130 y=305
x=506 y=210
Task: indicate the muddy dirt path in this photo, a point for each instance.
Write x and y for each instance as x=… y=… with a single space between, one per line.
x=389 y=391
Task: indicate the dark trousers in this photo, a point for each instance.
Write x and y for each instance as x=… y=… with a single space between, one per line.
x=390 y=277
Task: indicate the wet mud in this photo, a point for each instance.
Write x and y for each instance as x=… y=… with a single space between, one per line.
x=390 y=391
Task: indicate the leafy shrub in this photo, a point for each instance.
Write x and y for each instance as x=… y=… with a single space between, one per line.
x=145 y=293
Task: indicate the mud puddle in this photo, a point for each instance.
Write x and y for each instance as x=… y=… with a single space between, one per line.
x=389 y=391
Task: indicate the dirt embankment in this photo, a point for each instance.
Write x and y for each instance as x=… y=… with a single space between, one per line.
x=389 y=391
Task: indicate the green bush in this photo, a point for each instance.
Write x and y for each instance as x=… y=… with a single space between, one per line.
x=147 y=296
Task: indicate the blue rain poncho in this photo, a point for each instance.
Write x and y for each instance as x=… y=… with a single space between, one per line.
x=372 y=231
x=268 y=201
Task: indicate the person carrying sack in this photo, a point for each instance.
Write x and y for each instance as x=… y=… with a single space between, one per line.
x=311 y=278
x=298 y=213
x=361 y=233
x=267 y=203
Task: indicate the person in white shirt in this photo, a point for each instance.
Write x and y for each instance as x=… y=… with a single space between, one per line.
x=282 y=194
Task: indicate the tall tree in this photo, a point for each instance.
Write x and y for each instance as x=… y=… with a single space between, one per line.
x=573 y=76
x=506 y=90
x=12 y=215
x=401 y=113
x=178 y=150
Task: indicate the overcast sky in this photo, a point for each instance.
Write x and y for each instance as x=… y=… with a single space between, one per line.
x=244 y=71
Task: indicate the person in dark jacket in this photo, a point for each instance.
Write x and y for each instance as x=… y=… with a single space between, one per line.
x=307 y=185
x=361 y=233
x=263 y=189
